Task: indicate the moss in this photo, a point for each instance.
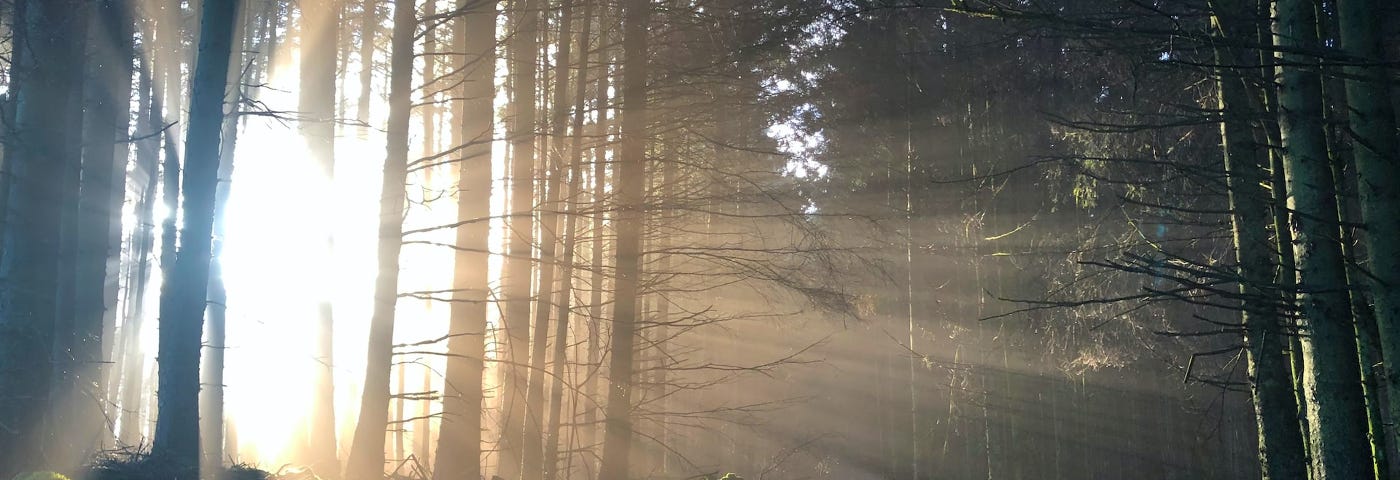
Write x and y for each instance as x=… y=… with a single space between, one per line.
x=40 y=476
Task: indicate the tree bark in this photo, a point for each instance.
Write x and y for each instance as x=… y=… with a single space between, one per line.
x=1336 y=409
x=183 y=298
x=459 y=435
x=39 y=149
x=1280 y=439
x=316 y=101
x=1375 y=151
x=100 y=199
x=564 y=296
x=533 y=466
x=515 y=275
x=367 y=449
x=369 y=26
x=631 y=180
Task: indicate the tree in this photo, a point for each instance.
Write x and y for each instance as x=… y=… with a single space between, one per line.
x=367 y=448
x=38 y=150
x=1372 y=126
x=317 y=95
x=1336 y=411
x=1280 y=440
x=631 y=181
x=183 y=296
x=474 y=41
x=515 y=276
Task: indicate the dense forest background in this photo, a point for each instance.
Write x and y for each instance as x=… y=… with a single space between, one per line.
x=672 y=239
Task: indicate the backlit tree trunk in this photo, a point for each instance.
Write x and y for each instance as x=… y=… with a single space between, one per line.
x=367 y=449
x=39 y=148
x=182 y=299
x=459 y=436
x=631 y=181
x=515 y=275
x=317 y=94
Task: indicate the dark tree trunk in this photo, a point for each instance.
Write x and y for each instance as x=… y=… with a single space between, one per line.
x=183 y=297
x=367 y=448
x=100 y=208
x=1276 y=413
x=1336 y=409
x=39 y=149
x=631 y=181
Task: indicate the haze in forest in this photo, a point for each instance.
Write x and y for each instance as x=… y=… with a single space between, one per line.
x=699 y=239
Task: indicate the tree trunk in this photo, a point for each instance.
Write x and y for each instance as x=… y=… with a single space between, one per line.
x=459 y=436
x=564 y=296
x=599 y=245
x=369 y=26
x=1275 y=411
x=212 y=369
x=183 y=298
x=316 y=101
x=133 y=358
x=631 y=180
x=533 y=465
x=99 y=205
x=1336 y=409
x=39 y=148
x=1372 y=122
x=515 y=275
x=367 y=449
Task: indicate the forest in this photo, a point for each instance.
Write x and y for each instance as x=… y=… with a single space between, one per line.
x=699 y=239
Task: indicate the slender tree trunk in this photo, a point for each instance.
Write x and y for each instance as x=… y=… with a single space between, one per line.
x=183 y=297
x=1336 y=409
x=400 y=419
x=515 y=277
x=39 y=149
x=534 y=460
x=1375 y=150
x=317 y=94
x=565 y=294
x=133 y=358
x=212 y=369
x=617 y=438
x=422 y=427
x=367 y=449
x=459 y=436
x=369 y=26
x=599 y=245
x=99 y=208
x=1275 y=411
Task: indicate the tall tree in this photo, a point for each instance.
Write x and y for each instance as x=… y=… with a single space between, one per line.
x=1336 y=409
x=367 y=447
x=1280 y=439
x=472 y=132
x=99 y=204
x=515 y=275
x=316 y=101
x=369 y=27
x=564 y=296
x=183 y=296
x=631 y=183
x=1377 y=157
x=549 y=237
x=38 y=150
